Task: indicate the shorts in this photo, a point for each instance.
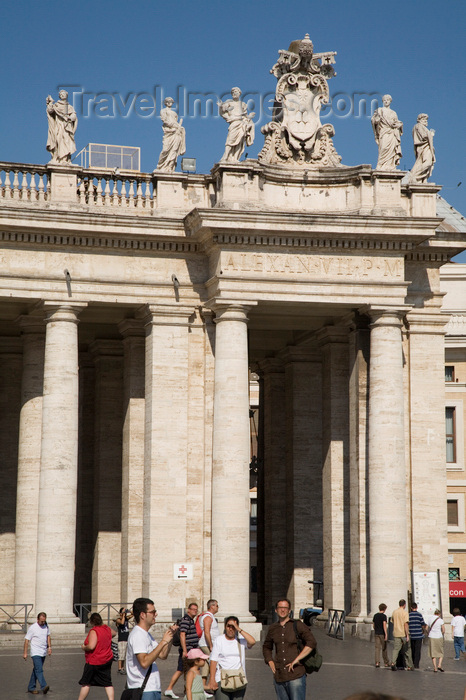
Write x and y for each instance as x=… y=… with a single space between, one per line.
x=122 y=650
x=205 y=668
x=100 y=676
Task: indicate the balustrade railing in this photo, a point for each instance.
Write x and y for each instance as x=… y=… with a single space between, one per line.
x=124 y=192
x=14 y=617
x=25 y=183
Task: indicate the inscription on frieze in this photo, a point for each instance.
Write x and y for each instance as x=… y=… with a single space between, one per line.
x=311 y=266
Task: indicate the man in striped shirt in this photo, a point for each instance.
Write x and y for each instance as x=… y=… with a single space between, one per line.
x=416 y=633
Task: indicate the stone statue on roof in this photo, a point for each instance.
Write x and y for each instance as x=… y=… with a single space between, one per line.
x=423 y=150
x=240 y=126
x=174 y=137
x=387 y=131
x=62 y=122
x=295 y=137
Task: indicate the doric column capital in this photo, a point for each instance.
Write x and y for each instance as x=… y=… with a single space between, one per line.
x=62 y=311
x=386 y=315
x=132 y=328
x=426 y=323
x=166 y=315
x=31 y=324
x=231 y=310
x=332 y=334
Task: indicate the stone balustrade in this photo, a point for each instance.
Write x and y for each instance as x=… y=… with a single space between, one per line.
x=25 y=183
x=101 y=189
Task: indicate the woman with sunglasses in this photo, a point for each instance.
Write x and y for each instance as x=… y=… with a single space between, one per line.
x=228 y=654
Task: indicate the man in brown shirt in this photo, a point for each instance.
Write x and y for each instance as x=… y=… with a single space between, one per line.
x=289 y=675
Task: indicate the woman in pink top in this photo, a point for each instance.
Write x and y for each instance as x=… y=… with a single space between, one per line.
x=99 y=657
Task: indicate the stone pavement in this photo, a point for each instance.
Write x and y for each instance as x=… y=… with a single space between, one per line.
x=348 y=667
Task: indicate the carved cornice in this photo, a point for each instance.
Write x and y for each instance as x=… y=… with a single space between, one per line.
x=99 y=241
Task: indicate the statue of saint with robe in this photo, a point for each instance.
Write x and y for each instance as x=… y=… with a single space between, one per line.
x=174 y=137
x=387 y=132
x=63 y=122
x=423 y=150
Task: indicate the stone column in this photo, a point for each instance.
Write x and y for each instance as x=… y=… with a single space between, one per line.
x=58 y=473
x=132 y=491
x=335 y=473
x=303 y=407
x=274 y=468
x=165 y=457
x=106 y=567
x=429 y=537
x=359 y=345
x=388 y=544
x=29 y=443
x=10 y=395
x=231 y=457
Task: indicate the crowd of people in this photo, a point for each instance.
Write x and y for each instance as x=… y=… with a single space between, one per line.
x=409 y=631
x=213 y=662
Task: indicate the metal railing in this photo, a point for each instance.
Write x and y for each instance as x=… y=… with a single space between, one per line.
x=336 y=623
x=14 y=617
x=108 y=611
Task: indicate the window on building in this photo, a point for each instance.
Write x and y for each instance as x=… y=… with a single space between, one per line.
x=449 y=373
x=452 y=512
x=450 y=430
x=453 y=574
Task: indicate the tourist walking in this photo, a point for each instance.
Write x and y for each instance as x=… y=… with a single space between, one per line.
x=210 y=631
x=97 y=649
x=400 y=618
x=122 y=623
x=289 y=675
x=416 y=634
x=379 y=622
x=458 y=623
x=189 y=639
x=38 y=635
x=436 y=640
x=227 y=661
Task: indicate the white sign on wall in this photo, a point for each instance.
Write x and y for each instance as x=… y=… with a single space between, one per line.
x=426 y=591
x=183 y=572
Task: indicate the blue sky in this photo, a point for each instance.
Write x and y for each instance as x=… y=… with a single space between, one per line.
x=414 y=51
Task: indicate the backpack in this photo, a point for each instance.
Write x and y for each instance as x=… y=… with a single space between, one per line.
x=199 y=629
x=176 y=641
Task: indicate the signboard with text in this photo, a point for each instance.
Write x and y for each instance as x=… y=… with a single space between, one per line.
x=426 y=591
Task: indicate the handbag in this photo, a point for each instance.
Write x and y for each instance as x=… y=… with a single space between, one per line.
x=313 y=661
x=115 y=651
x=136 y=693
x=233 y=679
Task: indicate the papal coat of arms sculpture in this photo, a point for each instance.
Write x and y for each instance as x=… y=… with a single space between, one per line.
x=295 y=137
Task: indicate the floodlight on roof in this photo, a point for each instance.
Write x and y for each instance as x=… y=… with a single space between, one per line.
x=188 y=165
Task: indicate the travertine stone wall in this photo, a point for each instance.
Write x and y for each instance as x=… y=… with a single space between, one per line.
x=230 y=462
x=427 y=442
x=132 y=470
x=359 y=343
x=29 y=445
x=58 y=468
x=165 y=456
x=303 y=389
x=10 y=394
x=387 y=470
x=106 y=564
x=275 y=484
x=335 y=472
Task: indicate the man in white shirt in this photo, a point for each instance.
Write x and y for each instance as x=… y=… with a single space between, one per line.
x=209 y=626
x=38 y=635
x=458 y=623
x=143 y=650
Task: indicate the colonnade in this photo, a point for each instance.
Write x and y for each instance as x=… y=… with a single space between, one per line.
x=336 y=490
